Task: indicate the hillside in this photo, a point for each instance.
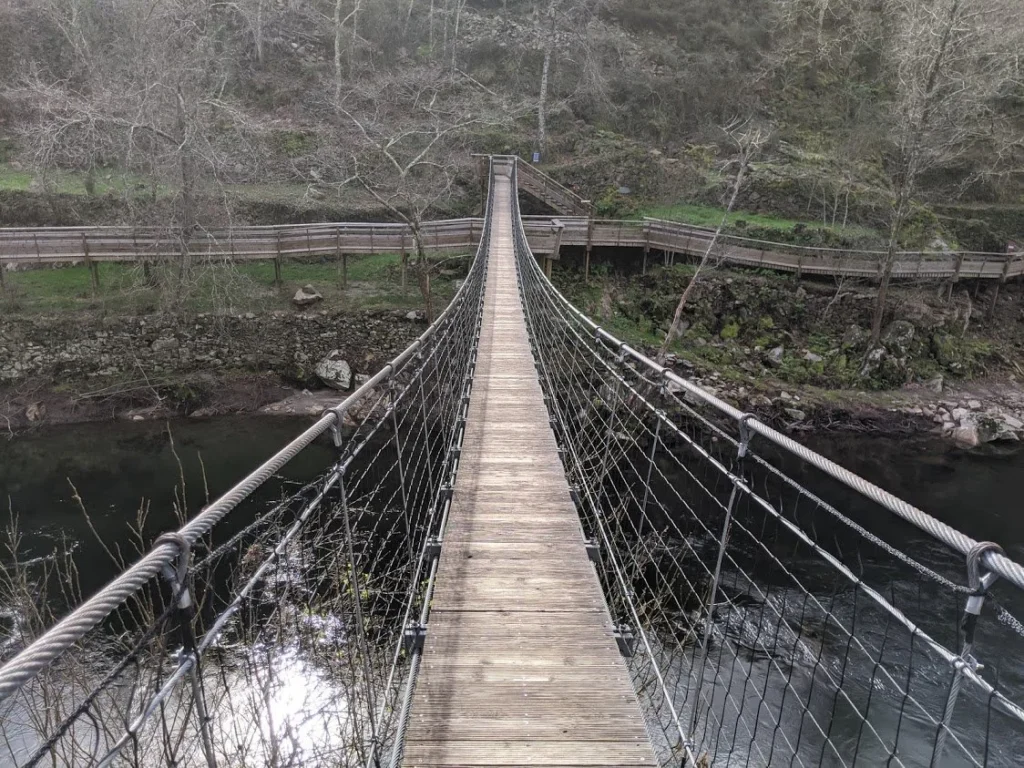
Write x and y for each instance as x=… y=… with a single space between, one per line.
x=269 y=111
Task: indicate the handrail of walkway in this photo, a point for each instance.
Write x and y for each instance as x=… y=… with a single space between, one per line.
x=93 y=245
x=54 y=642
x=997 y=563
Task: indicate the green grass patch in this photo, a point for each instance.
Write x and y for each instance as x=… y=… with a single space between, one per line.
x=373 y=282
x=12 y=180
x=711 y=217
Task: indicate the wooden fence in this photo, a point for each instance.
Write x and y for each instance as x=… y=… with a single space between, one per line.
x=547 y=236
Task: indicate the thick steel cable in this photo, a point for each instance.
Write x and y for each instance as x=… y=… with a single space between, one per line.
x=961 y=542
x=63 y=635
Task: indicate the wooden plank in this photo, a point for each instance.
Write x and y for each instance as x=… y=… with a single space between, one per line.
x=519 y=665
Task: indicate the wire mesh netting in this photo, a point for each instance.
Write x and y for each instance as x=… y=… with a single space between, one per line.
x=769 y=626
x=276 y=636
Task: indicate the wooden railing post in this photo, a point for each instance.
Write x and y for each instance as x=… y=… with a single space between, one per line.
x=277 y=261
x=590 y=247
x=405 y=263
x=647 y=246
x=999 y=285
x=94 y=274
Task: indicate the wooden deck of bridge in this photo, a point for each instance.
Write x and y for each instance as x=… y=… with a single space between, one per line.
x=520 y=666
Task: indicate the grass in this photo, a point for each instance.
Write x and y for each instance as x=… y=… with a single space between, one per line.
x=710 y=216
x=373 y=282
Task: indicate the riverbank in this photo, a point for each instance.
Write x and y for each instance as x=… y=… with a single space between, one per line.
x=796 y=352
x=792 y=352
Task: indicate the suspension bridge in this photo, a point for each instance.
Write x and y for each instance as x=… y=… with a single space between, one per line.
x=535 y=546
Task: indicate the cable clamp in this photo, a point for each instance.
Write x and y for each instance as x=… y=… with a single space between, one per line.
x=177 y=575
x=978 y=583
x=746 y=433
x=339 y=420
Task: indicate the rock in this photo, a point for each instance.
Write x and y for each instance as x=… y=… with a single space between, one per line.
x=164 y=345
x=810 y=357
x=306 y=296
x=961 y=416
x=899 y=336
x=785 y=396
x=416 y=316
x=1013 y=422
x=775 y=356
x=334 y=371
x=935 y=384
x=974 y=405
x=854 y=336
x=760 y=401
x=967 y=436
x=138 y=417
x=362 y=378
x=35 y=412
x=872 y=362
x=796 y=414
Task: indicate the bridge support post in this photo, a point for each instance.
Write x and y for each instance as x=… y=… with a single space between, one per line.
x=723 y=542
x=177 y=578
x=548 y=261
x=979 y=586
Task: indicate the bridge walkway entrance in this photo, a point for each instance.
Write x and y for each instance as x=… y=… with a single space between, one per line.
x=520 y=665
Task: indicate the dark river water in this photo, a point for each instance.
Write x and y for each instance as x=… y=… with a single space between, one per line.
x=119 y=468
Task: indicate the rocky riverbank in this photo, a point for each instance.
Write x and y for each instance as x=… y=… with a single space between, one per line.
x=55 y=370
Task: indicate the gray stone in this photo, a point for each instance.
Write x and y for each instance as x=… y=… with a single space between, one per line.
x=796 y=414
x=899 y=336
x=967 y=436
x=416 y=316
x=306 y=296
x=1013 y=422
x=810 y=357
x=974 y=405
x=775 y=356
x=854 y=336
x=334 y=371
x=165 y=345
x=872 y=362
x=35 y=412
x=936 y=384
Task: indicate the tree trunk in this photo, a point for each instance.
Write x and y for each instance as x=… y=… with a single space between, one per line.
x=896 y=226
x=677 y=318
x=423 y=270
x=338 y=42
x=542 y=128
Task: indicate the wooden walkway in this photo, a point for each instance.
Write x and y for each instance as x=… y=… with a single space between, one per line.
x=520 y=666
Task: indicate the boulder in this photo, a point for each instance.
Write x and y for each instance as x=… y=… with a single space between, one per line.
x=416 y=316
x=898 y=337
x=810 y=357
x=974 y=405
x=774 y=358
x=854 y=336
x=35 y=412
x=306 y=296
x=935 y=384
x=334 y=371
x=796 y=414
x=967 y=436
x=164 y=345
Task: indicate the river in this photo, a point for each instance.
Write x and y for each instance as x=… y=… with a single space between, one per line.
x=119 y=468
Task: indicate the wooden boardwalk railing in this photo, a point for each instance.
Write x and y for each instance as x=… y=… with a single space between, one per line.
x=547 y=236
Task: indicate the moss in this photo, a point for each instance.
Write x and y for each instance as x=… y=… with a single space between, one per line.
x=766 y=323
x=730 y=330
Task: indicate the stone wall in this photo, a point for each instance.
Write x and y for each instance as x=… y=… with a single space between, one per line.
x=72 y=349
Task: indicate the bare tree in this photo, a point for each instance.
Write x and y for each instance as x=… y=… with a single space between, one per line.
x=949 y=68
x=748 y=140
x=410 y=146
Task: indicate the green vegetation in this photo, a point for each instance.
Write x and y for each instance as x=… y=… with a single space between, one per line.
x=741 y=222
x=373 y=282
